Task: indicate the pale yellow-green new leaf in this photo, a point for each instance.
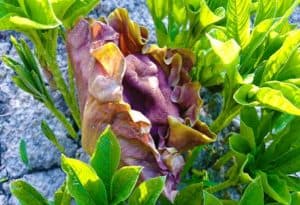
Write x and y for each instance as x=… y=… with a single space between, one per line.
x=281 y=96
x=277 y=61
x=238 y=21
x=228 y=52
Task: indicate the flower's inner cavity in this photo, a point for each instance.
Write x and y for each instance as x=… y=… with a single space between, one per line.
x=146 y=89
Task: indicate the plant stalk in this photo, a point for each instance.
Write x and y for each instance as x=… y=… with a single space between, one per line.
x=225 y=118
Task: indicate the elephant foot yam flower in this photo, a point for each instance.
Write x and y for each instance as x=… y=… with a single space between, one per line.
x=144 y=92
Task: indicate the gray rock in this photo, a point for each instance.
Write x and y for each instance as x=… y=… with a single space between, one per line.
x=295 y=18
x=3 y=199
x=82 y=155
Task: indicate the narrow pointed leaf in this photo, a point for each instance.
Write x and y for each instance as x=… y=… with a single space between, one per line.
x=147 y=192
x=51 y=136
x=23 y=152
x=123 y=183
x=106 y=157
x=253 y=193
x=238 y=20
x=210 y=199
x=26 y=194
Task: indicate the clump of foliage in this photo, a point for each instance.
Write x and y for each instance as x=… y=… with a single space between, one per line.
x=100 y=182
x=246 y=49
x=234 y=53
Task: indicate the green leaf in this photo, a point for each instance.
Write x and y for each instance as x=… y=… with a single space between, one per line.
x=253 y=193
x=26 y=194
x=239 y=143
x=228 y=51
x=210 y=199
x=191 y=195
x=277 y=61
x=123 y=183
x=60 y=7
x=80 y=8
x=250 y=118
x=295 y=198
x=207 y=17
x=158 y=8
x=213 y=4
x=280 y=124
x=276 y=95
x=106 y=157
x=62 y=196
x=238 y=21
x=83 y=183
x=266 y=10
x=293 y=182
x=283 y=6
x=248 y=134
x=258 y=37
x=291 y=69
x=35 y=14
x=287 y=163
x=51 y=136
x=190 y=160
x=147 y=192
x=276 y=188
x=23 y=153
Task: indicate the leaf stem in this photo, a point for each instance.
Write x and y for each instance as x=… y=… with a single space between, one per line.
x=225 y=118
x=62 y=118
x=221 y=186
x=221 y=161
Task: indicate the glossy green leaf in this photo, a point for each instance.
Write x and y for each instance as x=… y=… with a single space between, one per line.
x=228 y=51
x=26 y=194
x=147 y=192
x=291 y=69
x=191 y=195
x=283 y=6
x=276 y=188
x=51 y=136
x=210 y=199
x=239 y=144
x=250 y=118
x=35 y=14
x=238 y=21
x=80 y=8
x=258 y=37
x=106 y=157
x=288 y=163
x=23 y=152
x=123 y=183
x=275 y=95
x=83 y=183
x=208 y=17
x=293 y=182
x=266 y=10
x=253 y=193
x=277 y=61
x=280 y=124
x=295 y=198
x=213 y=4
x=248 y=134
x=158 y=8
x=60 y=7
x=62 y=196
